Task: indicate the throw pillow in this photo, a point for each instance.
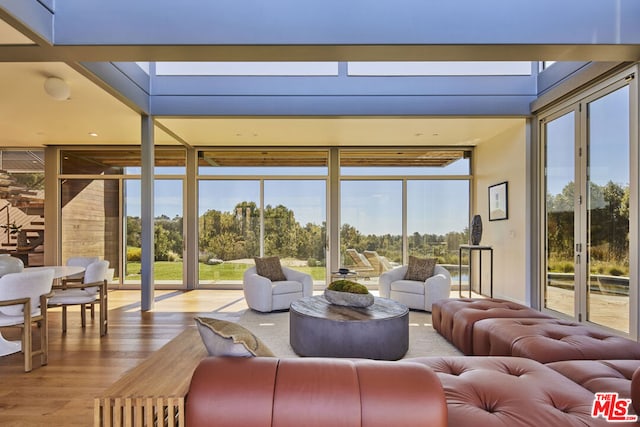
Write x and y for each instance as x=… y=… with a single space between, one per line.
x=270 y=268
x=420 y=269
x=222 y=338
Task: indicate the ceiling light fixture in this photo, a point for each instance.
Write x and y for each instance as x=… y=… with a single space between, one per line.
x=93 y=134
x=57 y=88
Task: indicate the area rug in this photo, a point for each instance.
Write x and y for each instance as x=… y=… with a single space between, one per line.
x=273 y=329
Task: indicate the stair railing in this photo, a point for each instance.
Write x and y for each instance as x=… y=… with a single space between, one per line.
x=8 y=224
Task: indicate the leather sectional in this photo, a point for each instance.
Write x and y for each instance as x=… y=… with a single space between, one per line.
x=560 y=365
x=574 y=363
x=313 y=392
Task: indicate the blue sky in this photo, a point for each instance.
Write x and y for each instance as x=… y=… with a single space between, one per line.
x=608 y=143
x=373 y=207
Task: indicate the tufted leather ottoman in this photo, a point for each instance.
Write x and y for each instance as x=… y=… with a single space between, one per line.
x=509 y=392
x=549 y=340
x=604 y=376
x=454 y=318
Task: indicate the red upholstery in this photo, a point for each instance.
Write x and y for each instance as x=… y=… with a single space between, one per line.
x=604 y=376
x=549 y=340
x=635 y=391
x=313 y=392
x=454 y=318
x=509 y=392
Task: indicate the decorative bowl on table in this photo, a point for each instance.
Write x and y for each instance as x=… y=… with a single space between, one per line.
x=348 y=293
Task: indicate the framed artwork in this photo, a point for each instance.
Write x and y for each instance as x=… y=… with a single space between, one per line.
x=498 y=202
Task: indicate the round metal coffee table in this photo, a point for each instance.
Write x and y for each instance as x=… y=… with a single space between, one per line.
x=320 y=329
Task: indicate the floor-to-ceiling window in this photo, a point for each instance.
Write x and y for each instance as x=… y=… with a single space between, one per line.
x=560 y=207
x=437 y=219
x=371 y=225
x=228 y=228
x=268 y=202
x=100 y=203
x=589 y=147
x=261 y=203
x=400 y=203
x=607 y=208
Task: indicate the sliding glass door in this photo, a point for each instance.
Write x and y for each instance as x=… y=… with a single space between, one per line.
x=607 y=210
x=588 y=182
x=560 y=289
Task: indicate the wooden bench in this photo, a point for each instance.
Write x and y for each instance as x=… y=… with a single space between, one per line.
x=153 y=393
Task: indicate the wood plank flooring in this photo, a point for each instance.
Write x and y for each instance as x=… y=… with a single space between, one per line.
x=82 y=365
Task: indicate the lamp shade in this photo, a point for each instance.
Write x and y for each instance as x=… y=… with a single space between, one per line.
x=57 y=88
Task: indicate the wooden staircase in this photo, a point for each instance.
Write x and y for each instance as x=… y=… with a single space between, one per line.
x=24 y=208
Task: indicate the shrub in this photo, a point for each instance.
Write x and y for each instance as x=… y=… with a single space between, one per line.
x=614 y=271
x=173 y=257
x=134 y=254
x=561 y=266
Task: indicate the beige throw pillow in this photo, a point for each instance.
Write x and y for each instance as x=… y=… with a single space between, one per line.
x=270 y=268
x=420 y=269
x=222 y=338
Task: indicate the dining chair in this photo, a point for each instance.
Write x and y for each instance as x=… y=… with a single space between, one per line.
x=23 y=301
x=90 y=291
x=80 y=261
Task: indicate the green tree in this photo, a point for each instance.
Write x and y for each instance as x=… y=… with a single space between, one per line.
x=134 y=228
x=281 y=231
x=162 y=244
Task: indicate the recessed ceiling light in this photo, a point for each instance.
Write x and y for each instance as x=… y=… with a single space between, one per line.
x=93 y=134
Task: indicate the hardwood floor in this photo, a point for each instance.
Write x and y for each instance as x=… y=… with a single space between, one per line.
x=82 y=365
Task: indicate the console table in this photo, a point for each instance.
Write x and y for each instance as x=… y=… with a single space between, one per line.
x=470 y=249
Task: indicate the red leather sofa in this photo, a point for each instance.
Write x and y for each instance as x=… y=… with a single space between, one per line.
x=618 y=376
x=512 y=392
x=463 y=391
x=313 y=392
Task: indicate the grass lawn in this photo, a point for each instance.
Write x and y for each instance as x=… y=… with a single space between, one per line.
x=167 y=270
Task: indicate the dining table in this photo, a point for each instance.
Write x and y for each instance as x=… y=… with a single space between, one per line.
x=59 y=272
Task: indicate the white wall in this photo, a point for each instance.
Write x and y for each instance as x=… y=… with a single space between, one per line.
x=500 y=159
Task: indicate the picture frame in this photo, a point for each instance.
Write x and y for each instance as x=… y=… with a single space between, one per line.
x=498 y=201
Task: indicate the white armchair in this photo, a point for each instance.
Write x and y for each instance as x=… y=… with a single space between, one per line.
x=264 y=295
x=414 y=294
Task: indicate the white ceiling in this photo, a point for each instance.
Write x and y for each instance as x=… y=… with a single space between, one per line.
x=339 y=131
x=30 y=118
